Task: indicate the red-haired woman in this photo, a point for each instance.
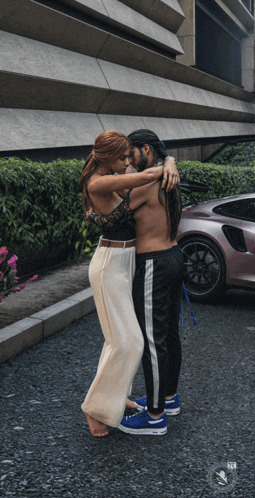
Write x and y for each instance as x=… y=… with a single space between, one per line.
x=111 y=274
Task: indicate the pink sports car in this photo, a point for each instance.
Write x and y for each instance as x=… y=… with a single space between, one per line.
x=217 y=238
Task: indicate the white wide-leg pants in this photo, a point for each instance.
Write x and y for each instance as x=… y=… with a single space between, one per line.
x=111 y=275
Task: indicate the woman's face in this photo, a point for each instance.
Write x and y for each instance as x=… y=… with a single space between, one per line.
x=123 y=162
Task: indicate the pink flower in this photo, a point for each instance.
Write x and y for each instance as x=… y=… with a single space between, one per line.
x=11 y=280
x=3 y=253
x=22 y=286
x=12 y=261
x=33 y=278
x=3 y=250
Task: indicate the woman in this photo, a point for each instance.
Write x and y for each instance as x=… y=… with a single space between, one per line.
x=111 y=273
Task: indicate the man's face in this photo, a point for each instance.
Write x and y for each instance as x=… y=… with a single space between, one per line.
x=140 y=161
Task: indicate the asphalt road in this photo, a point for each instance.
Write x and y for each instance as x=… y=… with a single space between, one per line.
x=47 y=450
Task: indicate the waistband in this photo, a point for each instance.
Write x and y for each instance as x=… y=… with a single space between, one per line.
x=127 y=233
x=116 y=243
x=158 y=254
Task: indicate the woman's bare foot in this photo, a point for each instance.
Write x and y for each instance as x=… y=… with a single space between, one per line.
x=131 y=405
x=97 y=429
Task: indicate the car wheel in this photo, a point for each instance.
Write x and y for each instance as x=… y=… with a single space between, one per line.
x=205 y=269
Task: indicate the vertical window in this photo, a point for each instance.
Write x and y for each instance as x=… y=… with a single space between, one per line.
x=218 y=52
x=249 y=4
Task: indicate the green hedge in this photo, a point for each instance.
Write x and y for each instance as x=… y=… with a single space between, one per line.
x=222 y=180
x=240 y=154
x=41 y=210
x=41 y=207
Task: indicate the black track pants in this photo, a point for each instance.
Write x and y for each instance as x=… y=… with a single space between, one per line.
x=157 y=290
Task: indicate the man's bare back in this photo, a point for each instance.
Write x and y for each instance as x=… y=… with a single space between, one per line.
x=152 y=229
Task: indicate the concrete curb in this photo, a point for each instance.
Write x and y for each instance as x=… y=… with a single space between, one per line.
x=31 y=330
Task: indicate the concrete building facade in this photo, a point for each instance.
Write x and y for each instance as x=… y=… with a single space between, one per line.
x=73 y=68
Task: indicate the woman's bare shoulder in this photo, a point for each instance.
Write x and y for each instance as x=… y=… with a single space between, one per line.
x=93 y=178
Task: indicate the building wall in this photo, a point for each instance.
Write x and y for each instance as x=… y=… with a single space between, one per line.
x=187 y=33
x=241 y=24
x=201 y=153
x=73 y=68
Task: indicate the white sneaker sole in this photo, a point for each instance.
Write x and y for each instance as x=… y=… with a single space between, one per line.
x=172 y=411
x=148 y=432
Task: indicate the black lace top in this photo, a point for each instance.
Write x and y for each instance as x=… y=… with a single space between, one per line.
x=119 y=224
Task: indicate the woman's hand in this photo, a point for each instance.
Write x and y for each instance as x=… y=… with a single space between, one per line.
x=89 y=212
x=171 y=176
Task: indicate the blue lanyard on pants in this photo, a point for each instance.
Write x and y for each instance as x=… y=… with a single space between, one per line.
x=191 y=311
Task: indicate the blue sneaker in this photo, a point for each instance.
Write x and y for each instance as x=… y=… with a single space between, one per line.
x=143 y=423
x=172 y=406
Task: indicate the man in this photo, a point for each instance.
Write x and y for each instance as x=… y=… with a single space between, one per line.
x=157 y=290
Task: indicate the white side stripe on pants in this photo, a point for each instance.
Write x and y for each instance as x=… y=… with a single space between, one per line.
x=148 y=311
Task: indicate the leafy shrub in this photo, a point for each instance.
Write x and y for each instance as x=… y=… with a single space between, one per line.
x=222 y=180
x=240 y=155
x=41 y=209
x=42 y=218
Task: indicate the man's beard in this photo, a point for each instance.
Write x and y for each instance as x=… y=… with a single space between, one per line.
x=143 y=162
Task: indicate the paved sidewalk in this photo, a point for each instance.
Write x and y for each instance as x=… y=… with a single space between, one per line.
x=47 y=450
x=51 y=287
x=43 y=308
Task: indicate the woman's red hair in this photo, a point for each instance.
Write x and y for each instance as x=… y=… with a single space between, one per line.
x=108 y=147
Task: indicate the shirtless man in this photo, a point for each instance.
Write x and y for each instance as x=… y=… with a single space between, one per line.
x=157 y=290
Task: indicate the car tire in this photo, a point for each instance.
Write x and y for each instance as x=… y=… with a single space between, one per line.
x=205 y=269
